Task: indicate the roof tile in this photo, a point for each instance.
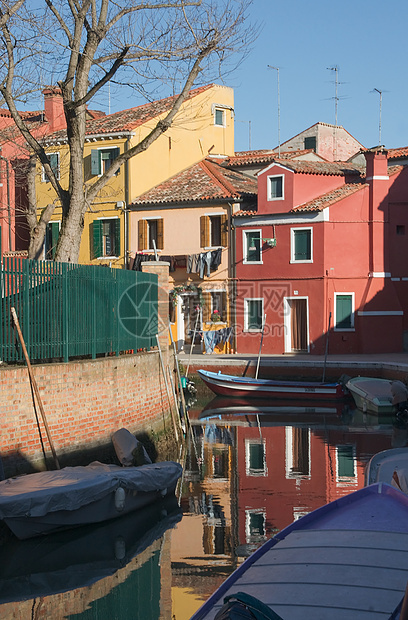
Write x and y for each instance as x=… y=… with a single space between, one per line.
x=206 y=180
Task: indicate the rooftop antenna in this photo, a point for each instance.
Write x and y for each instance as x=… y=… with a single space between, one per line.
x=380 y=92
x=279 y=142
x=249 y=132
x=336 y=100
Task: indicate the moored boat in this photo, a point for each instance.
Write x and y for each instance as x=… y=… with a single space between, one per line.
x=49 y=501
x=347 y=559
x=372 y=394
x=248 y=387
x=383 y=465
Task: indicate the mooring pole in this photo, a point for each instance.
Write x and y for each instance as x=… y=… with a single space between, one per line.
x=34 y=385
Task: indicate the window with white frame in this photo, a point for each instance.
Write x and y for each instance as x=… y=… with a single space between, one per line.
x=346 y=472
x=343 y=311
x=301 y=245
x=252 y=240
x=151 y=233
x=54 y=159
x=101 y=160
x=297 y=456
x=275 y=187
x=255 y=525
x=255 y=457
x=220 y=117
x=253 y=315
x=214 y=230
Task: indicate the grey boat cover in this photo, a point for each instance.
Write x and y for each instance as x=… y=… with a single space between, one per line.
x=35 y=495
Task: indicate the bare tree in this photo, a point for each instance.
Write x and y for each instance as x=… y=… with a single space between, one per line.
x=91 y=42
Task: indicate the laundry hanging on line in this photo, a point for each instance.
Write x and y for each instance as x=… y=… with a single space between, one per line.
x=204 y=262
x=215 y=337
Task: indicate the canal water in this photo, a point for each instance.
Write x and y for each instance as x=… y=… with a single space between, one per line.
x=250 y=469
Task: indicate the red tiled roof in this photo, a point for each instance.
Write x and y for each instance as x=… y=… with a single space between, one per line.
x=127 y=120
x=399 y=152
x=244 y=212
x=204 y=181
x=321 y=202
x=321 y=167
x=247 y=158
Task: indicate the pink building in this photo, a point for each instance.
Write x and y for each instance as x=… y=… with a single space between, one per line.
x=326 y=247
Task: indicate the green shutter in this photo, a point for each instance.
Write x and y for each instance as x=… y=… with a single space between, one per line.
x=54 y=163
x=253 y=249
x=255 y=314
x=256 y=456
x=96 y=239
x=276 y=187
x=345 y=461
x=302 y=245
x=53 y=234
x=343 y=311
x=117 y=237
x=95 y=162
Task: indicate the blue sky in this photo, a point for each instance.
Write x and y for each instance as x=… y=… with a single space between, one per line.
x=366 y=39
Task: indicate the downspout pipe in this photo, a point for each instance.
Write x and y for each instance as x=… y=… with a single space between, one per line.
x=232 y=273
x=8 y=198
x=126 y=210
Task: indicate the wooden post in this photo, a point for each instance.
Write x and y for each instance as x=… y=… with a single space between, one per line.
x=34 y=385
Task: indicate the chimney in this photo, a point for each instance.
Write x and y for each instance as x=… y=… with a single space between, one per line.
x=376 y=164
x=378 y=216
x=53 y=107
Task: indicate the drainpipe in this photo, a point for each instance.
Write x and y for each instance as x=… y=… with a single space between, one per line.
x=126 y=210
x=232 y=272
x=8 y=198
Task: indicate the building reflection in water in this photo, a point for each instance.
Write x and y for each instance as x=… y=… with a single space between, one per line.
x=252 y=470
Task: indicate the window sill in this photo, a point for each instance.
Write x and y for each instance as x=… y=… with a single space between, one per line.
x=252 y=262
x=296 y=262
x=344 y=329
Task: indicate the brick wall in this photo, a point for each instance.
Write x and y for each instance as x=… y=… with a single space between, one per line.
x=84 y=403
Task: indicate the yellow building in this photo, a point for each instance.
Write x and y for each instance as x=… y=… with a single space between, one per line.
x=204 y=125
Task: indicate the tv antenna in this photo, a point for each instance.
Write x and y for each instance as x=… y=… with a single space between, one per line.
x=336 y=101
x=380 y=92
x=279 y=142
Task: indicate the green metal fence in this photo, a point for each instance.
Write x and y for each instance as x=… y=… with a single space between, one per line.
x=68 y=310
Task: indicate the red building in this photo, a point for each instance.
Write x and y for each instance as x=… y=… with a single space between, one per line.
x=325 y=253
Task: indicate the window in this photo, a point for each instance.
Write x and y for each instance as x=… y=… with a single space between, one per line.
x=219 y=117
x=275 y=187
x=346 y=473
x=400 y=229
x=255 y=458
x=301 y=246
x=51 y=238
x=253 y=315
x=252 y=246
x=54 y=159
x=106 y=238
x=151 y=233
x=344 y=311
x=311 y=143
x=213 y=230
x=101 y=160
x=297 y=461
x=255 y=525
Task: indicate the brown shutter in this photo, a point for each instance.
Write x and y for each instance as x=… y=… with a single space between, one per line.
x=206 y=307
x=160 y=233
x=204 y=231
x=142 y=234
x=224 y=230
